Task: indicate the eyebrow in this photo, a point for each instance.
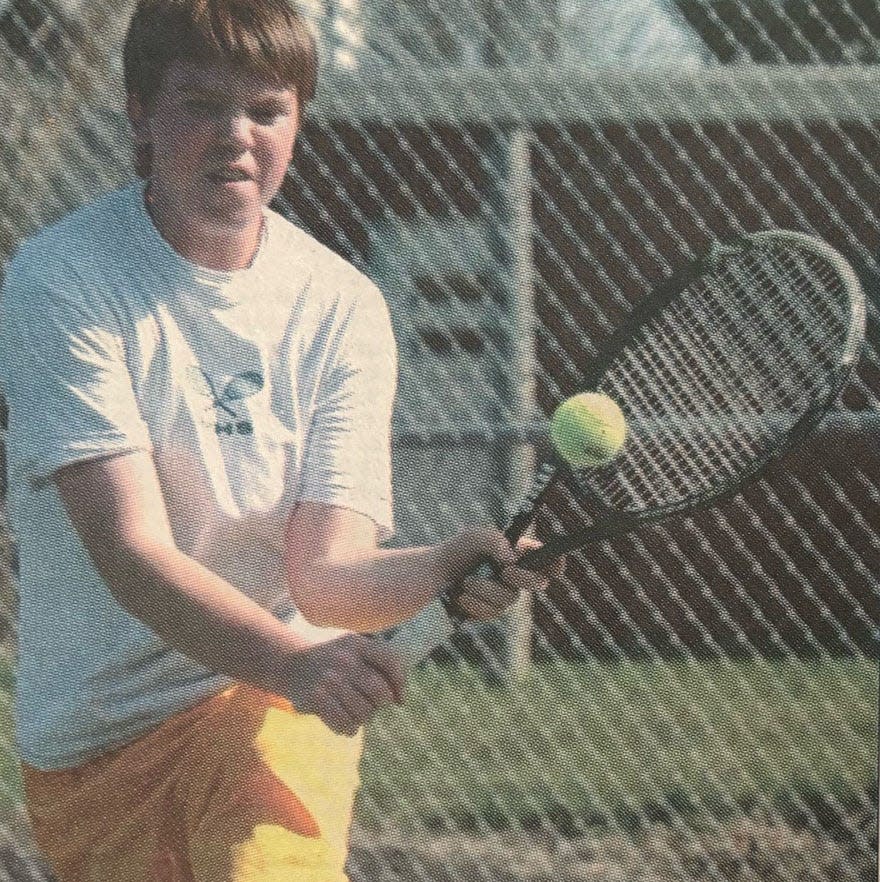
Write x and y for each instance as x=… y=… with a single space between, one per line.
x=277 y=96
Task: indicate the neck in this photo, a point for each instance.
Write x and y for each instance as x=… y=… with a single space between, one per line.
x=213 y=246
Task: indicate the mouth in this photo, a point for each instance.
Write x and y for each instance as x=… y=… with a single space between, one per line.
x=228 y=175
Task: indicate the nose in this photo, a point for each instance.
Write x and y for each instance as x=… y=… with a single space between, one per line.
x=234 y=130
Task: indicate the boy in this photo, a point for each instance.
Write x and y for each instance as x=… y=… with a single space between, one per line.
x=200 y=397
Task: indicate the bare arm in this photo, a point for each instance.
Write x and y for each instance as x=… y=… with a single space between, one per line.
x=339 y=577
x=116 y=506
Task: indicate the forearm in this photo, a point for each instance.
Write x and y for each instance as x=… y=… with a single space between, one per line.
x=202 y=615
x=370 y=590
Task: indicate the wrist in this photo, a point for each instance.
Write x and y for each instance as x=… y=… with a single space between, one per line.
x=443 y=566
x=284 y=666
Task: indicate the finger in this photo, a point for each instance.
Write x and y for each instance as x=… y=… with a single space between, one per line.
x=498 y=549
x=358 y=708
x=477 y=609
x=375 y=689
x=495 y=591
x=327 y=706
x=527 y=543
x=486 y=598
x=554 y=568
x=520 y=579
x=387 y=665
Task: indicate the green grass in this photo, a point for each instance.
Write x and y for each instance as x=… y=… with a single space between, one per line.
x=10 y=781
x=596 y=741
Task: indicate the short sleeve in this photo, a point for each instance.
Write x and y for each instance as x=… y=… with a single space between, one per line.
x=65 y=375
x=347 y=460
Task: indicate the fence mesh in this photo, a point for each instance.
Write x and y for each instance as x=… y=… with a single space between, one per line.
x=695 y=701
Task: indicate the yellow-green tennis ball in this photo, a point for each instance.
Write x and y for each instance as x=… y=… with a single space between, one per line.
x=588 y=429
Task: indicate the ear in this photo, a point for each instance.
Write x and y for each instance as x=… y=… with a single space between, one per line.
x=139 y=119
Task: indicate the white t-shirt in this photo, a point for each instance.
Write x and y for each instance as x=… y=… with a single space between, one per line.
x=253 y=389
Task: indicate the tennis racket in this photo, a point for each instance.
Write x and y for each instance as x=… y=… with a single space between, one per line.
x=724 y=366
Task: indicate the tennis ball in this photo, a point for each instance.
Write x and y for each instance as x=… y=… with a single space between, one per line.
x=588 y=429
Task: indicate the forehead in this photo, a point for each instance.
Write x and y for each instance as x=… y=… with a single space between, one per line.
x=224 y=78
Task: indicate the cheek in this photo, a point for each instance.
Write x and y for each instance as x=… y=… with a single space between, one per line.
x=275 y=156
x=181 y=144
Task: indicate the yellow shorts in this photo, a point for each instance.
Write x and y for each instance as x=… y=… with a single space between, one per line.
x=239 y=788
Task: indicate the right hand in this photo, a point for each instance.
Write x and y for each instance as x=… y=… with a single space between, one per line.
x=477 y=596
x=344 y=681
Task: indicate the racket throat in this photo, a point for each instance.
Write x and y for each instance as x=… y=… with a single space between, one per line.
x=544 y=478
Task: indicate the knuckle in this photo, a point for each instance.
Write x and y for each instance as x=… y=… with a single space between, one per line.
x=387 y=665
x=349 y=694
x=318 y=697
x=367 y=690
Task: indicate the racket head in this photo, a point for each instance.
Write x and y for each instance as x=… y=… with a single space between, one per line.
x=720 y=370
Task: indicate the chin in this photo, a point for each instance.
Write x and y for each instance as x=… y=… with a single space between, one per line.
x=235 y=218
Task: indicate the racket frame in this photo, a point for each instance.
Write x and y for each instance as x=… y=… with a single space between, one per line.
x=615 y=522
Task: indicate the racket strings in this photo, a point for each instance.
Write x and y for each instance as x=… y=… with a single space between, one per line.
x=774 y=333
x=658 y=469
x=796 y=297
x=671 y=451
x=715 y=381
x=665 y=451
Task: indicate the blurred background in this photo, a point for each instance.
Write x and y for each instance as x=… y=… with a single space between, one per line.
x=696 y=701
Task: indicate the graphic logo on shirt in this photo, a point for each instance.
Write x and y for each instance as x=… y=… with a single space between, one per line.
x=228 y=420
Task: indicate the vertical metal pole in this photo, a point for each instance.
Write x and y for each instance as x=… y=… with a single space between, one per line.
x=523 y=402
x=517 y=36
x=510 y=198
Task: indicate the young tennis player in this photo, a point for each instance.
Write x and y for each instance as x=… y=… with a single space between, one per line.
x=199 y=398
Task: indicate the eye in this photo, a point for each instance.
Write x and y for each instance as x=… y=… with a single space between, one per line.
x=268 y=115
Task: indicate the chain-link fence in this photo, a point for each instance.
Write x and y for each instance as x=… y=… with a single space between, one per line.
x=696 y=701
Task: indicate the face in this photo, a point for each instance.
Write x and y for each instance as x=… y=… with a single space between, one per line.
x=221 y=139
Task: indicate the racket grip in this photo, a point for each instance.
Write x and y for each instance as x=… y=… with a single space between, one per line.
x=415 y=638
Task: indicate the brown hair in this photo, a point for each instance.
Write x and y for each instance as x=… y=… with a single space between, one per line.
x=266 y=37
